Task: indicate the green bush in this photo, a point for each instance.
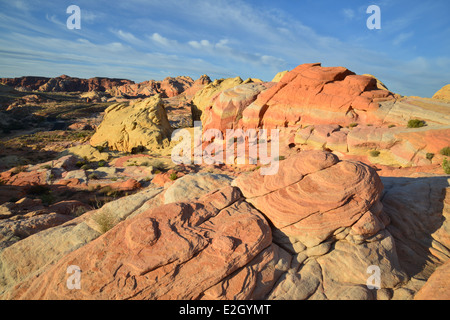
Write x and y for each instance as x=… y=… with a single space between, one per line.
x=445 y=151
x=79 y=164
x=173 y=176
x=105 y=221
x=38 y=190
x=352 y=125
x=416 y=123
x=374 y=153
x=446 y=166
x=93 y=176
x=430 y=156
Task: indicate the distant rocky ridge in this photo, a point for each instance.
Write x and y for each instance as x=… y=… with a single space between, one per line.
x=169 y=87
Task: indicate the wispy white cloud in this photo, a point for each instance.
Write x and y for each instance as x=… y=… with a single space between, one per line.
x=222 y=38
x=402 y=37
x=348 y=13
x=159 y=39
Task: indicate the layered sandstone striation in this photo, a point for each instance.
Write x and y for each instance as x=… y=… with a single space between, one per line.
x=311 y=93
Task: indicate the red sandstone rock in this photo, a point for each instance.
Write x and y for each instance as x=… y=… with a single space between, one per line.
x=437 y=286
x=176 y=251
x=196 y=86
x=162 y=178
x=228 y=107
x=313 y=195
x=129 y=185
x=169 y=87
x=314 y=94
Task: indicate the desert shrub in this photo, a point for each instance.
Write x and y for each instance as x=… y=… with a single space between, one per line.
x=38 y=190
x=391 y=126
x=93 y=176
x=80 y=163
x=100 y=148
x=19 y=169
x=78 y=211
x=445 y=151
x=416 y=123
x=430 y=156
x=101 y=163
x=85 y=167
x=159 y=166
x=374 y=153
x=281 y=158
x=42 y=192
x=105 y=221
x=446 y=166
x=138 y=149
x=173 y=176
x=352 y=125
x=48 y=198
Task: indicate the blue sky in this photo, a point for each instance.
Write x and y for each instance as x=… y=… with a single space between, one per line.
x=144 y=39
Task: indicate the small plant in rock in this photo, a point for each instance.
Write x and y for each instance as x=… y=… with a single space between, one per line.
x=100 y=148
x=80 y=163
x=93 y=176
x=353 y=125
x=416 y=123
x=446 y=166
x=374 y=153
x=87 y=166
x=173 y=176
x=430 y=156
x=104 y=220
x=101 y=163
x=445 y=151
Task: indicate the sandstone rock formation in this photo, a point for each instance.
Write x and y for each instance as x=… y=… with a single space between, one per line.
x=215 y=237
x=398 y=146
x=65 y=83
x=314 y=194
x=203 y=98
x=198 y=85
x=169 y=87
x=312 y=231
x=227 y=107
x=437 y=286
x=314 y=94
x=138 y=124
x=28 y=83
x=443 y=93
x=279 y=76
x=341 y=206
